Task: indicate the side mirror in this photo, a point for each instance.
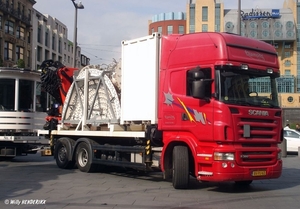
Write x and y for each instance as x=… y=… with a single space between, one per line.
x=199 y=88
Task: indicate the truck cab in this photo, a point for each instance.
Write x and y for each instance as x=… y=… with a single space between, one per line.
x=219 y=99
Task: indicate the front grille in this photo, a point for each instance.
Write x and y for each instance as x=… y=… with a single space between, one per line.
x=260 y=129
x=257 y=155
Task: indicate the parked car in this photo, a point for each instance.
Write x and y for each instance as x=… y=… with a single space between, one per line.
x=292 y=139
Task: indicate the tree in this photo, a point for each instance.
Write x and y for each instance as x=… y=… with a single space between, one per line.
x=21 y=63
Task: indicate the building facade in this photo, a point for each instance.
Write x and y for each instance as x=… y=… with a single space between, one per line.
x=168 y=23
x=205 y=15
x=50 y=41
x=279 y=27
x=16 y=32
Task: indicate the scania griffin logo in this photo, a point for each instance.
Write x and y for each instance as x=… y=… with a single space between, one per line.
x=258 y=112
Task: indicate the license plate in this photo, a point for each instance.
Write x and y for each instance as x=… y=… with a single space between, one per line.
x=259 y=173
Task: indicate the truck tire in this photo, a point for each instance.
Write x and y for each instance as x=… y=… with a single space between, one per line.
x=181 y=174
x=84 y=158
x=61 y=153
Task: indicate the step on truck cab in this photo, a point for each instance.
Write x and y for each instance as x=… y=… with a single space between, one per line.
x=202 y=105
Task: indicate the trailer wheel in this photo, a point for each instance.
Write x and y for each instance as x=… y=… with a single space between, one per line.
x=61 y=153
x=181 y=174
x=84 y=158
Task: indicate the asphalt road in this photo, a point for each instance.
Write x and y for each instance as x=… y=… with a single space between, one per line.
x=36 y=182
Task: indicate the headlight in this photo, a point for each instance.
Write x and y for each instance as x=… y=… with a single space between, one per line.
x=223 y=156
x=279 y=156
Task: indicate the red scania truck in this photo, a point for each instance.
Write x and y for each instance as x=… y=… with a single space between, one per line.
x=202 y=105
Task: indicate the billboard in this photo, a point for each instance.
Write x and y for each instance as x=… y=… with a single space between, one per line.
x=255 y=14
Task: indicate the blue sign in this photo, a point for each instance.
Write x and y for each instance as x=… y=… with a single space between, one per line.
x=275 y=13
x=254 y=14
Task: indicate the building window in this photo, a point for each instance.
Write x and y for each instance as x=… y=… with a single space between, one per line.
x=59 y=45
x=204 y=27
x=278 y=33
x=286 y=84
x=277 y=24
x=29 y=37
x=192 y=18
x=265 y=33
x=159 y=29
x=8 y=51
x=204 y=14
x=21 y=33
x=253 y=34
x=39 y=54
x=53 y=42
x=287 y=63
x=181 y=29
x=39 y=34
x=287 y=72
x=9 y=27
x=290 y=99
x=217 y=18
x=152 y=30
x=23 y=11
x=265 y=24
x=47 y=38
x=29 y=14
x=287 y=46
x=229 y=27
x=287 y=54
x=170 y=29
x=28 y=59
x=20 y=53
x=253 y=24
x=47 y=54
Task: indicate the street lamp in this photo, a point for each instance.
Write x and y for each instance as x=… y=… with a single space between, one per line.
x=239 y=18
x=77 y=6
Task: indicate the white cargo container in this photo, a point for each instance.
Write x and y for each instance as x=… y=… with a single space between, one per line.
x=139 y=84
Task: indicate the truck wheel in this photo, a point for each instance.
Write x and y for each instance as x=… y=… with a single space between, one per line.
x=181 y=174
x=84 y=158
x=61 y=153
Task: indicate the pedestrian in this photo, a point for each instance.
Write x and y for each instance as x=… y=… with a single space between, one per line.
x=287 y=126
x=297 y=127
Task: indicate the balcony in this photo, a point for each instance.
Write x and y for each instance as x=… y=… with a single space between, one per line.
x=7 y=10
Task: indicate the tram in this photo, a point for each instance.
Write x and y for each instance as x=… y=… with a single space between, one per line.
x=23 y=108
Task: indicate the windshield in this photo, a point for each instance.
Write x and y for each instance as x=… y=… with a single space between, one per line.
x=249 y=88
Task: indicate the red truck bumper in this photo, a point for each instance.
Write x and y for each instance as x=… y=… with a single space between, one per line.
x=229 y=171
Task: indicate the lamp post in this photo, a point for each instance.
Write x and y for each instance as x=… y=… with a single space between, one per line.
x=77 y=6
x=239 y=18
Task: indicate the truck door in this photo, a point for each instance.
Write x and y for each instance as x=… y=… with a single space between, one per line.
x=180 y=111
x=197 y=116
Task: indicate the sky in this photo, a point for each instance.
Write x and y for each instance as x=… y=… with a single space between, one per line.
x=103 y=24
